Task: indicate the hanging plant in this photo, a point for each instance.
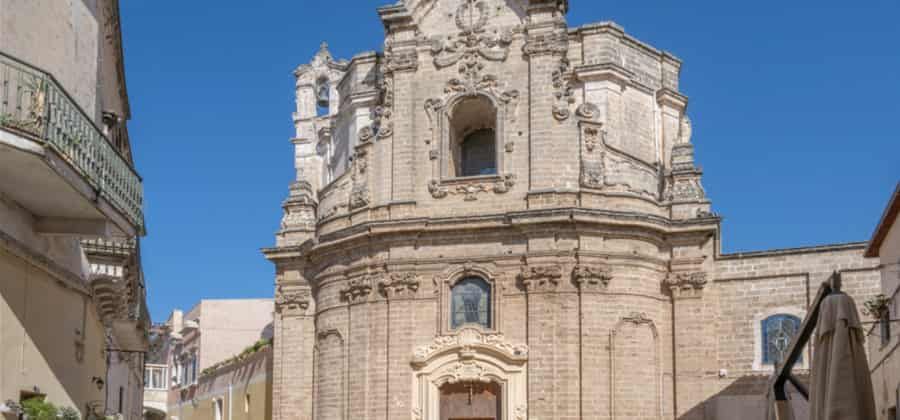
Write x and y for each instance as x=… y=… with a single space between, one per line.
x=877 y=307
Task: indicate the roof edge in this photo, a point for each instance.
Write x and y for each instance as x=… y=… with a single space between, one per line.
x=891 y=212
x=844 y=246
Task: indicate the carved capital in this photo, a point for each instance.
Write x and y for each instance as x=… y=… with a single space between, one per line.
x=399 y=285
x=592 y=277
x=358 y=289
x=686 y=284
x=543 y=278
x=291 y=301
x=397 y=61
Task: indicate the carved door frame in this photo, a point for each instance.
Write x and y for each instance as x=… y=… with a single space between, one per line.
x=470 y=356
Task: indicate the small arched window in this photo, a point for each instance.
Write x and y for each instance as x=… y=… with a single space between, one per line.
x=470 y=303
x=777 y=333
x=478 y=152
x=473 y=137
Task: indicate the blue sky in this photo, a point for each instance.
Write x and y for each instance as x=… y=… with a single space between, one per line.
x=795 y=108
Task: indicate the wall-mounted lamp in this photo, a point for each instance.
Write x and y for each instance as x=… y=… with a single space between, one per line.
x=96 y=380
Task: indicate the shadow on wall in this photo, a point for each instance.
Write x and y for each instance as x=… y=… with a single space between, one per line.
x=57 y=338
x=745 y=399
x=268 y=332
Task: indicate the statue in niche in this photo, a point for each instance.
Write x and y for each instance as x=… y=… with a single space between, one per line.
x=685 y=131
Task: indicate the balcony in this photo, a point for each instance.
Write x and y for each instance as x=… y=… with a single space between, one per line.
x=117 y=284
x=57 y=163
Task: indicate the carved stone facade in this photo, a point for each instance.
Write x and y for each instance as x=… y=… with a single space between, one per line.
x=583 y=267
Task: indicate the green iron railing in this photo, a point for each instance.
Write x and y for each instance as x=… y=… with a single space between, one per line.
x=34 y=103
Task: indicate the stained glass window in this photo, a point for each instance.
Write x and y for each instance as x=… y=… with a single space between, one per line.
x=470 y=303
x=777 y=333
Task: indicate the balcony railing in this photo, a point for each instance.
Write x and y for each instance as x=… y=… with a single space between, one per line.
x=34 y=103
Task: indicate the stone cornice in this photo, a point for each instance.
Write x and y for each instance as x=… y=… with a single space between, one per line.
x=368 y=230
x=666 y=96
x=604 y=71
x=66 y=277
x=619 y=31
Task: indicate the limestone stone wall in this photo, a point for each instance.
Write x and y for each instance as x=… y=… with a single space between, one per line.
x=62 y=38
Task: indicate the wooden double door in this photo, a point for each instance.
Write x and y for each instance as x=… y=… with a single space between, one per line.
x=471 y=401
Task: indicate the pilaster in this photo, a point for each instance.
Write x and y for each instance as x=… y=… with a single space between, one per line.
x=694 y=311
x=551 y=105
x=292 y=369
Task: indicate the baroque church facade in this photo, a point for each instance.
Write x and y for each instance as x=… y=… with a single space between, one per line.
x=500 y=217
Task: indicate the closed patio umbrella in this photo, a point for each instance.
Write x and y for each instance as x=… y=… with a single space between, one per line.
x=840 y=385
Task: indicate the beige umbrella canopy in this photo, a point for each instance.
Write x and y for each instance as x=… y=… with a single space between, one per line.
x=840 y=386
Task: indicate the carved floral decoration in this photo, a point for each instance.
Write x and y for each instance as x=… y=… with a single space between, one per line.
x=466 y=341
x=473 y=42
x=562 y=91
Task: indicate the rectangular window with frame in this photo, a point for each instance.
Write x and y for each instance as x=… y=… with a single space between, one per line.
x=155 y=377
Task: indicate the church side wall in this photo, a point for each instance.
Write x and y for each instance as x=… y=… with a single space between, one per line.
x=750 y=287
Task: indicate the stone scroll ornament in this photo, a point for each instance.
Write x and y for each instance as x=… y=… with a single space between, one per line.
x=473 y=43
x=471 y=190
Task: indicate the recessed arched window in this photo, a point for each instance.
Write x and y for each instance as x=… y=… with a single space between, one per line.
x=470 y=303
x=323 y=97
x=473 y=137
x=777 y=333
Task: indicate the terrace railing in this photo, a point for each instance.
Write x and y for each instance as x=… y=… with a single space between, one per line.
x=33 y=103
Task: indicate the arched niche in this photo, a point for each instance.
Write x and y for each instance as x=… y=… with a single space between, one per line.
x=470 y=356
x=462 y=116
x=634 y=354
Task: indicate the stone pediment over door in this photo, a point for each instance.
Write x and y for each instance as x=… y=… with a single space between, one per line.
x=470 y=355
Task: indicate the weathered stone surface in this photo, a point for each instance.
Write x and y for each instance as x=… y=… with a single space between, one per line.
x=595 y=235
